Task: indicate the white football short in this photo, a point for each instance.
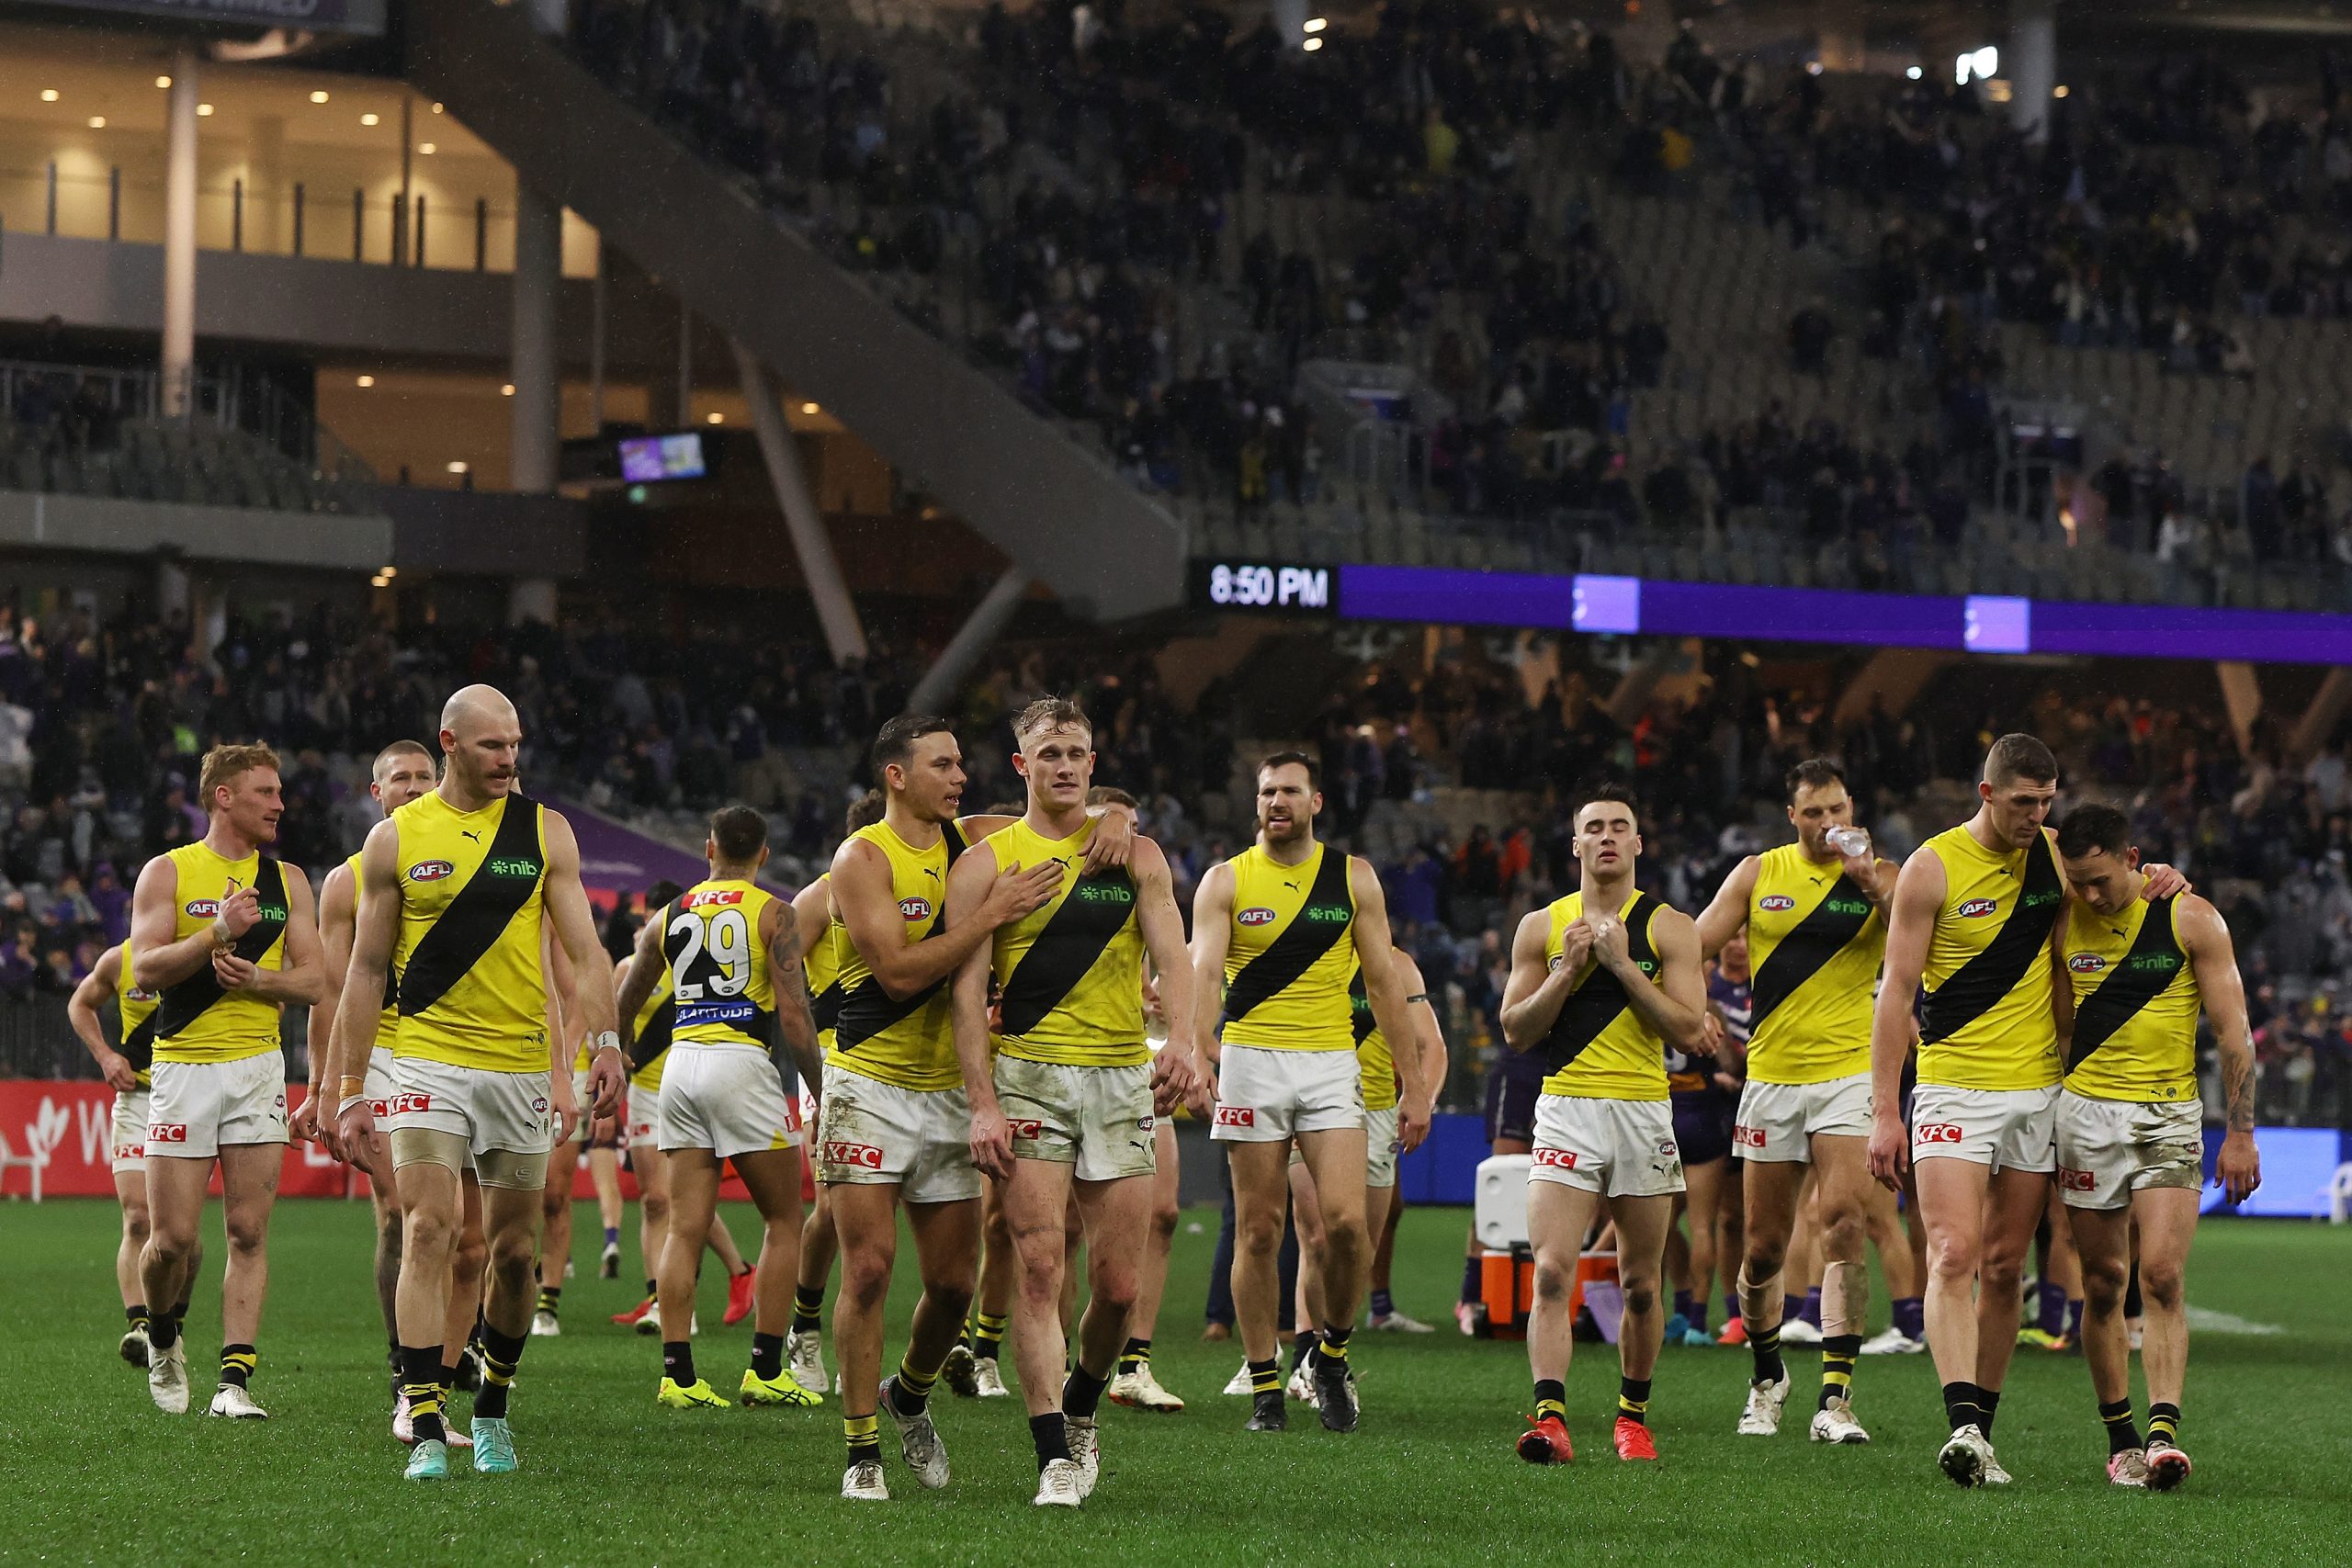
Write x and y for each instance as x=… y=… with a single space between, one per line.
x=1778 y=1121
x=1618 y=1148
x=197 y=1108
x=2007 y=1129
x=489 y=1110
x=727 y=1099
x=1264 y=1096
x=2109 y=1149
x=873 y=1133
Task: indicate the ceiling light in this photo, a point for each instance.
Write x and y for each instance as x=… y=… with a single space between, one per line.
x=97 y=122
x=205 y=110
x=456 y=467
x=436 y=108
x=2059 y=91
x=1311 y=45
x=718 y=418
x=508 y=390
x=389 y=571
x=162 y=81
x=1913 y=73
x=48 y=95
x=318 y=96
x=366 y=380
x=808 y=408
x=377 y=583
x=426 y=148
x=1317 y=24
x=367 y=120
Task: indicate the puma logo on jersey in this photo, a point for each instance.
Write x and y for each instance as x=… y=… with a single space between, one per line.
x=915 y=908
x=431 y=871
x=1258 y=916
x=1975 y=908
x=1776 y=902
x=469 y=833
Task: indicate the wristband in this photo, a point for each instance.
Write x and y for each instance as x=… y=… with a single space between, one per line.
x=343 y=1085
x=348 y=1101
x=607 y=1040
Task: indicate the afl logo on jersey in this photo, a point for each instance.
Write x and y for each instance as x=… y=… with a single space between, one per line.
x=1776 y=902
x=203 y=908
x=430 y=871
x=2086 y=964
x=1977 y=907
x=915 y=908
x=1258 y=916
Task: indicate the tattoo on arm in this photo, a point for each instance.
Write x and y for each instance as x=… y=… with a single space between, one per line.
x=2237 y=1090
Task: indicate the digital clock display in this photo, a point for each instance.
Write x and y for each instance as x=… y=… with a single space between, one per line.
x=1262 y=586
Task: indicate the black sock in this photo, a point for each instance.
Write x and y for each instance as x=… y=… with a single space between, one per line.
x=767 y=1356
x=1839 y=1353
x=448 y=1379
x=1634 y=1400
x=136 y=1315
x=1082 y=1393
x=2164 y=1422
x=163 y=1331
x=987 y=1334
x=550 y=1298
x=1265 y=1377
x=678 y=1362
x=865 y=1441
x=1990 y=1398
x=421 y=1383
x=1963 y=1405
x=651 y=1289
x=179 y=1310
x=1302 y=1344
x=808 y=1309
x=1051 y=1432
x=501 y=1354
x=237 y=1364
x=1333 y=1350
x=1766 y=1349
x=2121 y=1433
x=1551 y=1398
x=910 y=1390
x=1472 y=1280
x=1136 y=1356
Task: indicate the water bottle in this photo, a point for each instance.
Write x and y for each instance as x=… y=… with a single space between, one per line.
x=1850 y=842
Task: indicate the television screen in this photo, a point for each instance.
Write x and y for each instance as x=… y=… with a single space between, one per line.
x=645 y=458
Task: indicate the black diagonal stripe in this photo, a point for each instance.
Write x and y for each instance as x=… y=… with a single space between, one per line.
x=1810 y=944
x=1994 y=972
x=139 y=1045
x=2147 y=971
x=654 y=1038
x=1098 y=907
x=479 y=914
x=1292 y=954
x=1601 y=1000
x=867 y=1010
x=183 y=1004
x=1359 y=1006
x=825 y=1007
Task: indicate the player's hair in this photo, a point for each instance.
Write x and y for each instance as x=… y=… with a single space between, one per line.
x=740 y=832
x=398 y=749
x=1050 y=713
x=1294 y=759
x=2090 y=828
x=864 y=811
x=1604 y=789
x=226 y=764
x=1110 y=794
x=1813 y=772
x=2018 y=755
x=894 y=746
x=1004 y=808
x=659 y=895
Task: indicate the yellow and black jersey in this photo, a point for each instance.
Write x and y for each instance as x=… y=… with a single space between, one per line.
x=651 y=1033
x=1815 y=943
x=135 y=1008
x=821 y=964
x=472 y=888
x=388 y=1022
x=1987 y=1022
x=1374 y=1062
x=2136 y=1004
x=1291 y=953
x=910 y=1041
x=195 y=1019
x=1599 y=1048
x=718 y=966
x=1071 y=972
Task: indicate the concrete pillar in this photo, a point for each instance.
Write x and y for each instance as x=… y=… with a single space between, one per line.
x=1892 y=677
x=270 y=199
x=1290 y=21
x=1662 y=659
x=538 y=412
x=179 y=238
x=980 y=628
x=2326 y=709
x=835 y=611
x=171 y=587
x=2242 y=695
x=531 y=599
x=2030 y=59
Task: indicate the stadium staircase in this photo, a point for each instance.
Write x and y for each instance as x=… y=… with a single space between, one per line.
x=1060 y=513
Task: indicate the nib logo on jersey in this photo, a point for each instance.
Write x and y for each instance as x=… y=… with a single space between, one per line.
x=515 y=865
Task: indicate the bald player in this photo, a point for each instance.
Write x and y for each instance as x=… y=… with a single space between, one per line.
x=456 y=890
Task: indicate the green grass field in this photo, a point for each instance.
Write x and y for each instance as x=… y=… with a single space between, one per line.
x=94 y=1474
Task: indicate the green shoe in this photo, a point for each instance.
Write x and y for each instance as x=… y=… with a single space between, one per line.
x=494 y=1446
x=429 y=1461
x=780 y=1390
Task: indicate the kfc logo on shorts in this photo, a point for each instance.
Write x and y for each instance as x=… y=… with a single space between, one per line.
x=1977 y=907
x=1027 y=1129
x=2075 y=1181
x=863 y=1155
x=410 y=1102
x=1936 y=1133
x=1565 y=1160
x=1257 y=916
x=167 y=1132
x=915 y=908
x=1236 y=1116
x=380 y=1107
x=131 y=1151
x=2086 y=964
x=1747 y=1137
x=1776 y=903
x=431 y=871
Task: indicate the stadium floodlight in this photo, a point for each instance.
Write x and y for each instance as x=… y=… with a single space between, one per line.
x=1311 y=45
x=1316 y=24
x=1913 y=73
x=1982 y=64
